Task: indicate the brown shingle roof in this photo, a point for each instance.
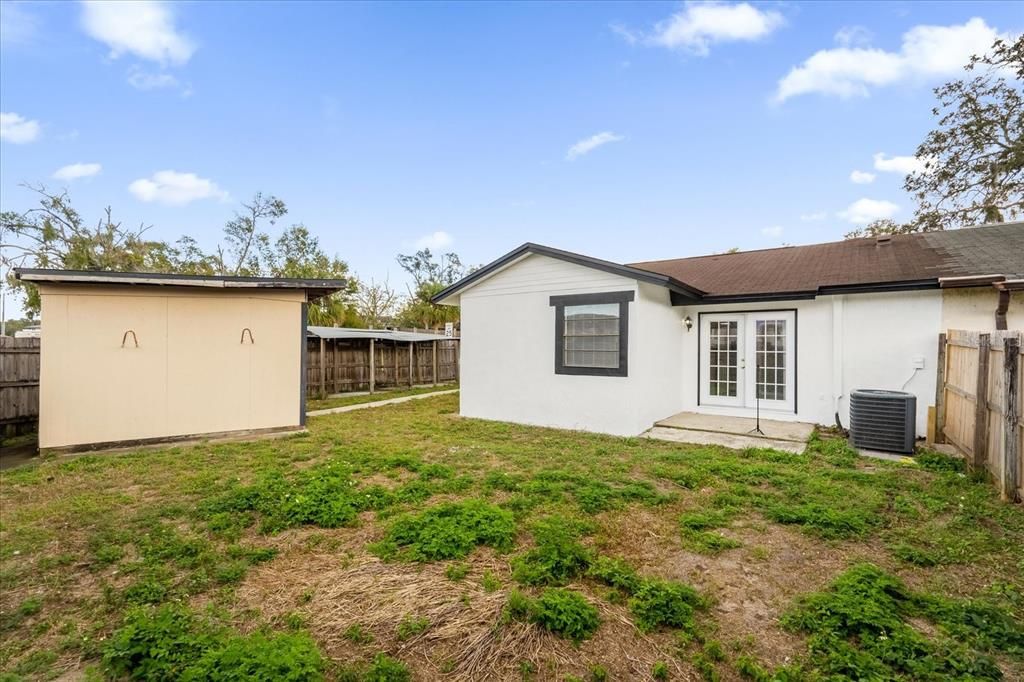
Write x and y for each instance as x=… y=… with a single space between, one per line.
x=995 y=249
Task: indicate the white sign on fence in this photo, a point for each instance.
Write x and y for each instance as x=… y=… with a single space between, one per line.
x=449 y=329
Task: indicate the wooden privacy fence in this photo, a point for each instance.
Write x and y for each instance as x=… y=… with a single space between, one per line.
x=978 y=406
x=19 y=385
x=340 y=365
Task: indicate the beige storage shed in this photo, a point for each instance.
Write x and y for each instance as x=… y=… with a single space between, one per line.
x=131 y=358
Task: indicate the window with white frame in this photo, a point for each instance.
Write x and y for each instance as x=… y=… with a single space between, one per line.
x=591 y=333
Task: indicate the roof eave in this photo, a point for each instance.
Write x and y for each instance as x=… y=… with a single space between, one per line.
x=673 y=285
x=315 y=288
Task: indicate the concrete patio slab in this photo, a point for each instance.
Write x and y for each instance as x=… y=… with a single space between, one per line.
x=728 y=440
x=797 y=432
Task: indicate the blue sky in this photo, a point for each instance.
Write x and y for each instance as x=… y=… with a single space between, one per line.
x=627 y=131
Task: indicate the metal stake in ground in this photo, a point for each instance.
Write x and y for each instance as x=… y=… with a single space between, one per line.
x=757 y=406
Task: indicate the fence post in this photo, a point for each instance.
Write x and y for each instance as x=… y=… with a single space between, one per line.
x=411 y=378
x=323 y=370
x=434 y=361
x=372 y=364
x=981 y=405
x=394 y=349
x=1011 y=409
x=940 y=390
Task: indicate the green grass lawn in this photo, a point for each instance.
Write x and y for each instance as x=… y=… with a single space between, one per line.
x=408 y=543
x=359 y=399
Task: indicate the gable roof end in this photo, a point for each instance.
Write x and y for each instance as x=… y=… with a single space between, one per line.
x=679 y=290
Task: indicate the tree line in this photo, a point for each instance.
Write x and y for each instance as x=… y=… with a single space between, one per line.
x=53 y=234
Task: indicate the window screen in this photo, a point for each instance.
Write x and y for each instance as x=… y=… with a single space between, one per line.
x=591 y=337
x=591 y=333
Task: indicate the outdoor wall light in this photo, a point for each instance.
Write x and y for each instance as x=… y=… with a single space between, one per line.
x=688 y=322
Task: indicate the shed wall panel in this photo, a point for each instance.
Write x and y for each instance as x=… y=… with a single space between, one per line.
x=191 y=374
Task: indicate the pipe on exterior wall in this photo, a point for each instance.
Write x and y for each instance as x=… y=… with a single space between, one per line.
x=837 y=354
x=1002 y=307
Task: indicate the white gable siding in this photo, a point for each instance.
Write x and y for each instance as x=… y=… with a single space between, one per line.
x=508 y=353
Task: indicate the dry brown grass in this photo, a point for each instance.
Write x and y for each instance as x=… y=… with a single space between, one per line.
x=467 y=638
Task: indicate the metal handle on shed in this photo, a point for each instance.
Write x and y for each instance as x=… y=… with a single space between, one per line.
x=251 y=340
x=124 y=339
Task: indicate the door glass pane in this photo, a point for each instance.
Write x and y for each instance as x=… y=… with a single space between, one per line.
x=722 y=356
x=770 y=357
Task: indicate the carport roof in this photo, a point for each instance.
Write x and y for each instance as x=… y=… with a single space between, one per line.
x=315 y=288
x=377 y=334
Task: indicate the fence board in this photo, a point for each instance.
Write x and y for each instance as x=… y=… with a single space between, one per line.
x=19 y=382
x=346 y=364
x=982 y=413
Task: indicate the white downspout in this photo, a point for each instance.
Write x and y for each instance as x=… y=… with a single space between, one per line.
x=838 y=338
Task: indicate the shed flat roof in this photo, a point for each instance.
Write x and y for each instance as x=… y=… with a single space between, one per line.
x=377 y=334
x=315 y=288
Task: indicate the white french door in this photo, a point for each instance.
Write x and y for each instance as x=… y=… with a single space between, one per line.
x=748 y=358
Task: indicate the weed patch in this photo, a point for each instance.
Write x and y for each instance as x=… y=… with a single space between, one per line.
x=667 y=603
x=171 y=643
x=448 y=531
x=653 y=602
x=563 y=612
x=411 y=626
x=558 y=557
x=859 y=628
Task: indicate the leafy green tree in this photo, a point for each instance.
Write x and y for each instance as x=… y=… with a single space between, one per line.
x=376 y=303
x=297 y=253
x=425 y=267
x=54 y=235
x=246 y=249
x=882 y=226
x=430 y=275
x=974 y=159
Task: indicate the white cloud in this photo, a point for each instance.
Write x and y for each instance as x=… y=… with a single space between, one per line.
x=145 y=80
x=860 y=177
x=144 y=28
x=773 y=231
x=852 y=70
x=434 y=241
x=627 y=34
x=699 y=25
x=852 y=36
x=18 y=129
x=899 y=164
x=865 y=210
x=813 y=217
x=77 y=170
x=589 y=144
x=174 y=188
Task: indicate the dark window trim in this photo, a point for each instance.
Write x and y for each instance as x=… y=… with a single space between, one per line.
x=623 y=298
x=796 y=346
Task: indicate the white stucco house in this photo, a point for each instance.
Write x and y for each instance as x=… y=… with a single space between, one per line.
x=559 y=339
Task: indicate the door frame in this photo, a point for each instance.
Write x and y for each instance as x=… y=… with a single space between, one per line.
x=796 y=353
